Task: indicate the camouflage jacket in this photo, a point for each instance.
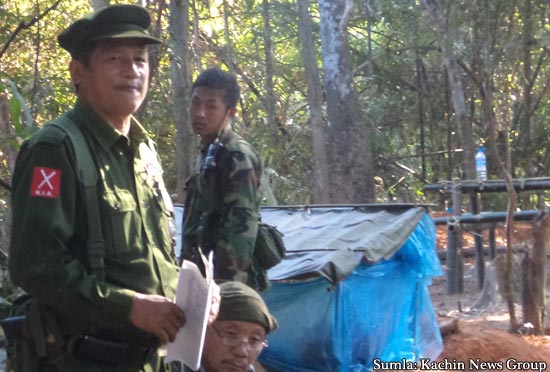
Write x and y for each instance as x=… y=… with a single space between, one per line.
x=222 y=210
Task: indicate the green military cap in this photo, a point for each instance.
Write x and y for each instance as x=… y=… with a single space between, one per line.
x=242 y=303
x=111 y=22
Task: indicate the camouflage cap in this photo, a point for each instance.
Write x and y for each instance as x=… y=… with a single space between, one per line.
x=111 y=22
x=242 y=303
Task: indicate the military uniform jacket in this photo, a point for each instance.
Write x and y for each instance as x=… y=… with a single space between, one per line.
x=221 y=212
x=47 y=254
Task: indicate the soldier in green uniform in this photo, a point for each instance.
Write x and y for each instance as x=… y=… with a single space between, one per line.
x=116 y=319
x=221 y=211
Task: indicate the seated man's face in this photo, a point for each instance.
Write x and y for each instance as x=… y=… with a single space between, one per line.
x=232 y=346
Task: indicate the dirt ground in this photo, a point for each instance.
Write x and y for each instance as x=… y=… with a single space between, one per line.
x=482 y=333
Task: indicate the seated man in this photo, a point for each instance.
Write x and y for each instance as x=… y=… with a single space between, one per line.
x=237 y=337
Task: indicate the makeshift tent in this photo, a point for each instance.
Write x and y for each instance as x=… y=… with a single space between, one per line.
x=353 y=288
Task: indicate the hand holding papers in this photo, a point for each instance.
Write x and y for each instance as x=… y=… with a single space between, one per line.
x=215 y=304
x=194 y=297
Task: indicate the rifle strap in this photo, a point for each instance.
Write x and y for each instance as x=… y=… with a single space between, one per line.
x=88 y=176
x=37 y=330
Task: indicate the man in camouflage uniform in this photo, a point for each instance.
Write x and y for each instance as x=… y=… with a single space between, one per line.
x=221 y=212
x=88 y=321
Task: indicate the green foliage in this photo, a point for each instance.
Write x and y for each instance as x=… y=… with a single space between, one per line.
x=406 y=101
x=21 y=117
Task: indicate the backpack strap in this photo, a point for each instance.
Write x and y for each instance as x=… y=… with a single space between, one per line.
x=88 y=176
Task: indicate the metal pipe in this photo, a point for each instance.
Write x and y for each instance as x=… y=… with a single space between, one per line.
x=492 y=242
x=525 y=184
x=491 y=217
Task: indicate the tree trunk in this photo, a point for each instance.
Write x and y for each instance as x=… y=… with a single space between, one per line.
x=450 y=130
x=197 y=40
x=321 y=190
x=421 y=114
x=534 y=272
x=8 y=135
x=228 y=44
x=270 y=100
x=528 y=110
x=350 y=153
x=457 y=90
x=186 y=143
x=369 y=17
x=506 y=167
x=154 y=57
x=156 y=30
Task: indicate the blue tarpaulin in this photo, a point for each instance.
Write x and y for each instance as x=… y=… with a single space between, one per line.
x=368 y=305
x=353 y=287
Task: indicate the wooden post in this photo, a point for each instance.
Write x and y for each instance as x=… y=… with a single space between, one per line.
x=534 y=274
x=475 y=202
x=454 y=262
x=492 y=241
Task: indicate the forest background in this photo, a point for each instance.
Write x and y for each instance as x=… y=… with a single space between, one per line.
x=346 y=101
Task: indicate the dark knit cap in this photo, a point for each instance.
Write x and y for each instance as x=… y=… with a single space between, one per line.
x=240 y=302
x=111 y=22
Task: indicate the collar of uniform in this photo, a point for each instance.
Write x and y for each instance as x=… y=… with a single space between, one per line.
x=223 y=136
x=137 y=131
x=106 y=135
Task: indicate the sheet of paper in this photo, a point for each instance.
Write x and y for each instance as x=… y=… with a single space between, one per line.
x=194 y=297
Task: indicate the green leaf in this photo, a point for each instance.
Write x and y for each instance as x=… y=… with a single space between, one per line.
x=15 y=112
x=28 y=121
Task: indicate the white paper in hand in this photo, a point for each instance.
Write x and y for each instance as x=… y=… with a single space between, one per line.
x=194 y=297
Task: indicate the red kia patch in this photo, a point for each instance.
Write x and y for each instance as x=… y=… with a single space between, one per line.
x=45 y=182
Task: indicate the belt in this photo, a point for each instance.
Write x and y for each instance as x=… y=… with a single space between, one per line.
x=98 y=350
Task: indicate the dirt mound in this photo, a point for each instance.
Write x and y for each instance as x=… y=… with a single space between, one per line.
x=477 y=340
x=482 y=333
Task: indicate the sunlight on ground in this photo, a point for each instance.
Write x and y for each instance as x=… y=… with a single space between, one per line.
x=497 y=317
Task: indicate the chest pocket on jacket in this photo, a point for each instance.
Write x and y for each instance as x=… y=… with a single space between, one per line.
x=121 y=227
